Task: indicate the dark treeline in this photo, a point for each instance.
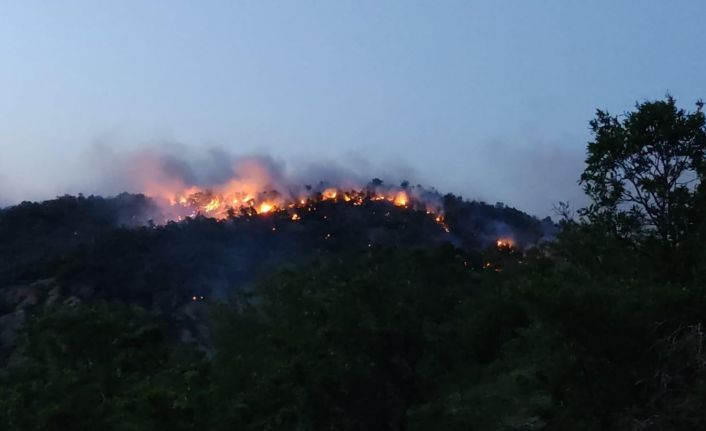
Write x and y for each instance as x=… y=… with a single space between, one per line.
x=602 y=328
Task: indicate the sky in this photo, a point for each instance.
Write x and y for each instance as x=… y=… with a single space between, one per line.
x=489 y=100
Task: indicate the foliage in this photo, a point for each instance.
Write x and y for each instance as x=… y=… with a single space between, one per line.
x=643 y=171
x=97 y=367
x=351 y=343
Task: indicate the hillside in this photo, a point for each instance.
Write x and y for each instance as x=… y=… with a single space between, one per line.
x=86 y=249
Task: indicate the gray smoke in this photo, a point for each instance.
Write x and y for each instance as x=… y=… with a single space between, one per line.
x=534 y=176
x=109 y=172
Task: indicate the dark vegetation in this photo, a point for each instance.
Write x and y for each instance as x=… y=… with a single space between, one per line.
x=375 y=317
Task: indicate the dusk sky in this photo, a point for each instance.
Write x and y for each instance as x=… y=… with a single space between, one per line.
x=489 y=100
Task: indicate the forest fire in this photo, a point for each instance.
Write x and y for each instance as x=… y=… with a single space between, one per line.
x=193 y=202
x=504 y=243
x=235 y=204
x=258 y=186
x=261 y=196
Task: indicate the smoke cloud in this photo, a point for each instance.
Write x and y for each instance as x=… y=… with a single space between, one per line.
x=157 y=169
x=4 y=196
x=160 y=169
x=533 y=176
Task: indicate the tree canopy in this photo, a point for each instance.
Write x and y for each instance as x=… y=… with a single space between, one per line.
x=644 y=169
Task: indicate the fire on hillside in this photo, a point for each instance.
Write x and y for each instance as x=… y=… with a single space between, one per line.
x=194 y=201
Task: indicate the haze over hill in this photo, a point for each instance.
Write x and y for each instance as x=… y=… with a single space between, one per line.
x=481 y=100
x=105 y=170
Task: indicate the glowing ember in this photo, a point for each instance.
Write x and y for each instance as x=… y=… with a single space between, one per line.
x=215 y=203
x=504 y=243
x=401 y=199
x=264 y=208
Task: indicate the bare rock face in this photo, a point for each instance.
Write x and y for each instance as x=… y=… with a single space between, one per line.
x=189 y=316
x=16 y=304
x=27 y=295
x=10 y=324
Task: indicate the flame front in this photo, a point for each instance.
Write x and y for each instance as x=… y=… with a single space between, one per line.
x=254 y=190
x=224 y=203
x=401 y=199
x=265 y=207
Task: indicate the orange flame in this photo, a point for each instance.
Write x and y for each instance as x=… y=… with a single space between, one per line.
x=401 y=199
x=330 y=193
x=504 y=243
x=254 y=191
x=265 y=207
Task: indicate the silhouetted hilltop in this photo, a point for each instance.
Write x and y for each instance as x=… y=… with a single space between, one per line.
x=80 y=249
x=114 y=240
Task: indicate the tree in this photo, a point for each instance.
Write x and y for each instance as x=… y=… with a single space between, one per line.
x=644 y=170
x=353 y=342
x=98 y=367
